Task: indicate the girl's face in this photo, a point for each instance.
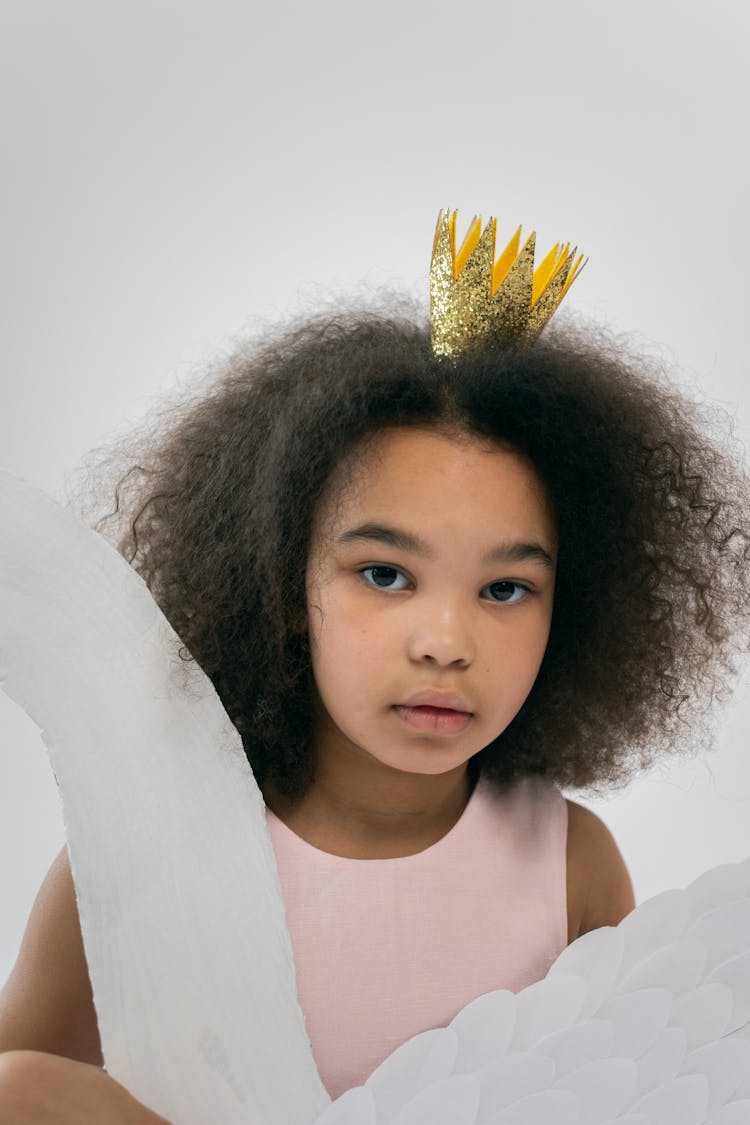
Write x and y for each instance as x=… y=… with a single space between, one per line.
x=434 y=572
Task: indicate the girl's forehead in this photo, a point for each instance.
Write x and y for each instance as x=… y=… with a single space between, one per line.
x=432 y=477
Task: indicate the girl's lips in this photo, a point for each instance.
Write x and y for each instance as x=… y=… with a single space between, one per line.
x=435 y=720
x=436 y=697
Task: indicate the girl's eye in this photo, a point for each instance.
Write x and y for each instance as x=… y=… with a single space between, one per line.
x=388 y=577
x=508 y=593
x=382 y=576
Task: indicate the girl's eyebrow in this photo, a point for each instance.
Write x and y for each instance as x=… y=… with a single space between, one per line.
x=406 y=541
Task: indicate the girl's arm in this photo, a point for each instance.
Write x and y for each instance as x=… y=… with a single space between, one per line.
x=50 y=1053
x=43 y=1089
x=604 y=890
x=47 y=1003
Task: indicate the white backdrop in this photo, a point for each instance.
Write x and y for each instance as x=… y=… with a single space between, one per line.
x=177 y=171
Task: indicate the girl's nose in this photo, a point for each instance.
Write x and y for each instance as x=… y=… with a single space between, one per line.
x=442 y=635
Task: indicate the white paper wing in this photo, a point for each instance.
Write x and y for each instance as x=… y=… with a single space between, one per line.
x=646 y=1023
x=178 y=891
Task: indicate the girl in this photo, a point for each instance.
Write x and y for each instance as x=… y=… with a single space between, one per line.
x=430 y=592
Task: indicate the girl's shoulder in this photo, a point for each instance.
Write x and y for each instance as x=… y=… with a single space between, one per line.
x=600 y=890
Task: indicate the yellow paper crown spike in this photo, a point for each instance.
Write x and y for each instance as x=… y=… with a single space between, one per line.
x=473 y=297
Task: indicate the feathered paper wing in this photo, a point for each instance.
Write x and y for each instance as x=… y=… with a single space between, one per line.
x=178 y=892
x=646 y=1023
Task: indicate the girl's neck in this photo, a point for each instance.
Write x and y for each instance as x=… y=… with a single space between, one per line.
x=385 y=818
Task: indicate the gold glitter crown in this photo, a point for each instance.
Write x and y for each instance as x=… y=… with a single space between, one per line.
x=474 y=297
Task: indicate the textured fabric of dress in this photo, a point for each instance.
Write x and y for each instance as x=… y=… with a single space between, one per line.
x=386 y=948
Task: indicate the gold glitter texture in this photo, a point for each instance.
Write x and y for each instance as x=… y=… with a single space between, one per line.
x=474 y=297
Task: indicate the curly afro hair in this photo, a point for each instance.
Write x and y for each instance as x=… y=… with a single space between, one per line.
x=651 y=598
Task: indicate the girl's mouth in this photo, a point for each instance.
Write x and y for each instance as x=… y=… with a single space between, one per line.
x=435 y=720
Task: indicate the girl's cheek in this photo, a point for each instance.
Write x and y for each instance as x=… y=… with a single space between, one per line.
x=365 y=645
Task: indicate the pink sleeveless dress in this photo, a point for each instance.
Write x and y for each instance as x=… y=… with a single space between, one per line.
x=386 y=948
